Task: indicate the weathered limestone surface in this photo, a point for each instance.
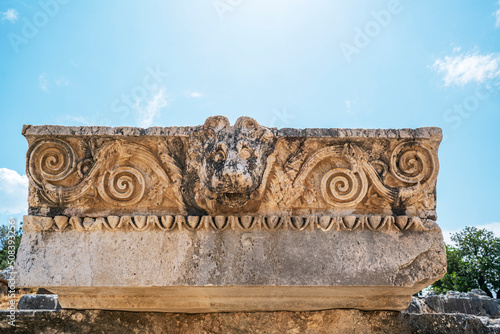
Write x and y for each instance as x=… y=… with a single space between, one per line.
x=218 y=169
x=38 y=302
x=210 y=271
x=231 y=218
x=475 y=302
x=332 y=321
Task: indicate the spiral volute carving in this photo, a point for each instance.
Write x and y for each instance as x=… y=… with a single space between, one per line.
x=343 y=187
x=412 y=163
x=123 y=185
x=51 y=160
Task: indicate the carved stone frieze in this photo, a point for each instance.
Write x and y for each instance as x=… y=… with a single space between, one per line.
x=223 y=169
x=221 y=223
x=231 y=217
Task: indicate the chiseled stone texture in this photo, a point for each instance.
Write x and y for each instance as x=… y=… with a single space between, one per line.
x=319 y=322
x=38 y=302
x=475 y=302
x=222 y=169
x=222 y=217
x=258 y=270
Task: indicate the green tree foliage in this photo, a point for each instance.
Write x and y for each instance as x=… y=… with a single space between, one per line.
x=5 y=234
x=473 y=263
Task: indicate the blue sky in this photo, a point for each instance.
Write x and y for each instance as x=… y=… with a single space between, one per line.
x=287 y=63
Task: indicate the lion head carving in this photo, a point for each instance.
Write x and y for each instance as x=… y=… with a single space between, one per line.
x=226 y=165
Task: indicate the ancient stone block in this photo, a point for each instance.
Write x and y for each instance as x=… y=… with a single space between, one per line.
x=475 y=302
x=231 y=218
x=317 y=322
x=38 y=302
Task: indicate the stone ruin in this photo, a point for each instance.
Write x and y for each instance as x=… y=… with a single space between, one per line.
x=228 y=218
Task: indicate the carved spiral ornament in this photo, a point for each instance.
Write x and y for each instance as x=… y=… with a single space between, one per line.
x=342 y=187
x=123 y=185
x=412 y=163
x=51 y=160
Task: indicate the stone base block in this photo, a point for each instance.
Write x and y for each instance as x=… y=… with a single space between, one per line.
x=233 y=270
x=333 y=321
x=230 y=299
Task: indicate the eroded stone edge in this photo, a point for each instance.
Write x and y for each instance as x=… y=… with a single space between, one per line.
x=56 y=130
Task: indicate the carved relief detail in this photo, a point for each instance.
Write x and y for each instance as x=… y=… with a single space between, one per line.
x=50 y=160
x=416 y=166
x=342 y=187
x=220 y=223
x=227 y=166
x=122 y=185
x=412 y=163
x=120 y=172
x=356 y=178
x=223 y=169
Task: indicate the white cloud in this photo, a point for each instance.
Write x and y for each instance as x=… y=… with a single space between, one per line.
x=148 y=113
x=79 y=120
x=195 y=95
x=494 y=227
x=13 y=192
x=62 y=81
x=466 y=68
x=349 y=104
x=10 y=15
x=497 y=17
x=44 y=82
x=447 y=236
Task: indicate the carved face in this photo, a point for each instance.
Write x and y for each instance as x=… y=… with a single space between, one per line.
x=230 y=161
